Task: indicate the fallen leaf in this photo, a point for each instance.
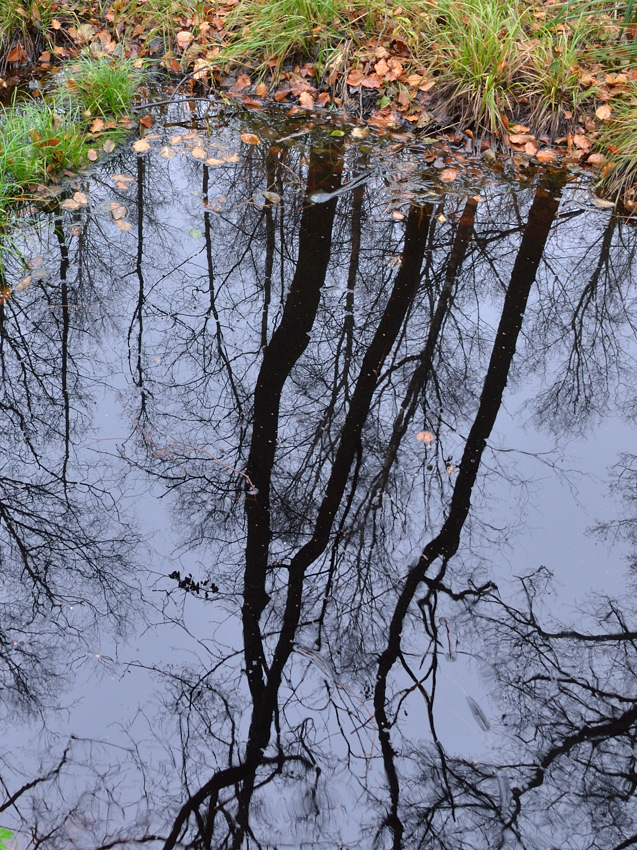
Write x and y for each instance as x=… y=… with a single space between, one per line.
x=23 y=283
x=195 y=233
x=123 y=177
x=75 y=230
x=200 y=153
x=123 y=225
x=581 y=142
x=545 y=156
x=355 y=78
x=603 y=203
x=603 y=112
x=519 y=128
x=596 y=159
x=81 y=198
x=530 y=148
x=398 y=215
x=448 y=175
x=323 y=99
x=92 y=155
x=262 y=90
x=146 y=121
x=118 y=211
x=381 y=68
x=183 y=39
x=18 y=54
x=167 y=152
x=123 y=186
x=232 y=157
x=360 y=132
x=213 y=161
x=242 y=82
x=141 y=146
x=521 y=138
x=425 y=436
x=97 y=126
x=372 y=81
x=70 y=204
x=250 y=139
x=306 y=100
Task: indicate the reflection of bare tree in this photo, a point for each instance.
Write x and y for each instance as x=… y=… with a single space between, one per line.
x=298 y=348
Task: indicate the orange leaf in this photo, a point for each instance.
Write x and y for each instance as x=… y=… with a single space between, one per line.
x=372 y=81
x=603 y=112
x=323 y=99
x=381 y=68
x=92 y=155
x=306 y=100
x=262 y=90
x=242 y=82
x=596 y=159
x=355 y=78
x=183 y=39
x=448 y=175
x=425 y=437
x=581 y=142
x=545 y=156
x=250 y=139
x=146 y=121
x=97 y=126
x=521 y=138
x=18 y=54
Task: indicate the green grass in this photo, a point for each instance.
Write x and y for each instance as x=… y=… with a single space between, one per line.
x=554 y=84
x=101 y=86
x=25 y=23
x=477 y=47
x=37 y=140
x=620 y=135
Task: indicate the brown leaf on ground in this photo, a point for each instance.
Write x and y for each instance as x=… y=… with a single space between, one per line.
x=183 y=39
x=530 y=148
x=603 y=112
x=92 y=155
x=520 y=128
x=381 y=68
x=141 y=146
x=323 y=99
x=97 y=126
x=242 y=82
x=448 y=175
x=372 y=81
x=546 y=157
x=521 y=138
x=395 y=68
x=146 y=121
x=596 y=159
x=18 y=54
x=262 y=90
x=306 y=100
x=355 y=78
x=581 y=142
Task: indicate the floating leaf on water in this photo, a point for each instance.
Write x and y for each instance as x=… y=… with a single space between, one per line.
x=441 y=218
x=75 y=230
x=118 y=211
x=479 y=714
x=81 y=198
x=233 y=157
x=360 y=132
x=122 y=177
x=199 y=153
x=195 y=233
x=70 y=204
x=337 y=133
x=167 y=152
x=272 y=197
x=123 y=186
x=448 y=175
x=398 y=215
x=141 y=146
x=212 y=161
x=250 y=139
x=23 y=283
x=123 y=225
x=603 y=203
x=425 y=436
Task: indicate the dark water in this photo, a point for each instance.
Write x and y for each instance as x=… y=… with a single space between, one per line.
x=317 y=519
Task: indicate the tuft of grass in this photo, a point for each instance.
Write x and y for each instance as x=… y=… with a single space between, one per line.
x=271 y=32
x=23 y=27
x=36 y=140
x=477 y=46
x=102 y=86
x=619 y=135
x=553 y=76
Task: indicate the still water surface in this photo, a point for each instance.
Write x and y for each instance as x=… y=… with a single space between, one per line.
x=317 y=514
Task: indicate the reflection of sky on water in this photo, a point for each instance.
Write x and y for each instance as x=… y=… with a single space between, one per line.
x=147 y=380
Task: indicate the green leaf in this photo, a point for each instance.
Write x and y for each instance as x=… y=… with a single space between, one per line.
x=196 y=234
x=384 y=101
x=337 y=133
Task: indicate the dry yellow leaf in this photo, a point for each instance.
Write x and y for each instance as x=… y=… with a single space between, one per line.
x=141 y=146
x=200 y=153
x=167 y=152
